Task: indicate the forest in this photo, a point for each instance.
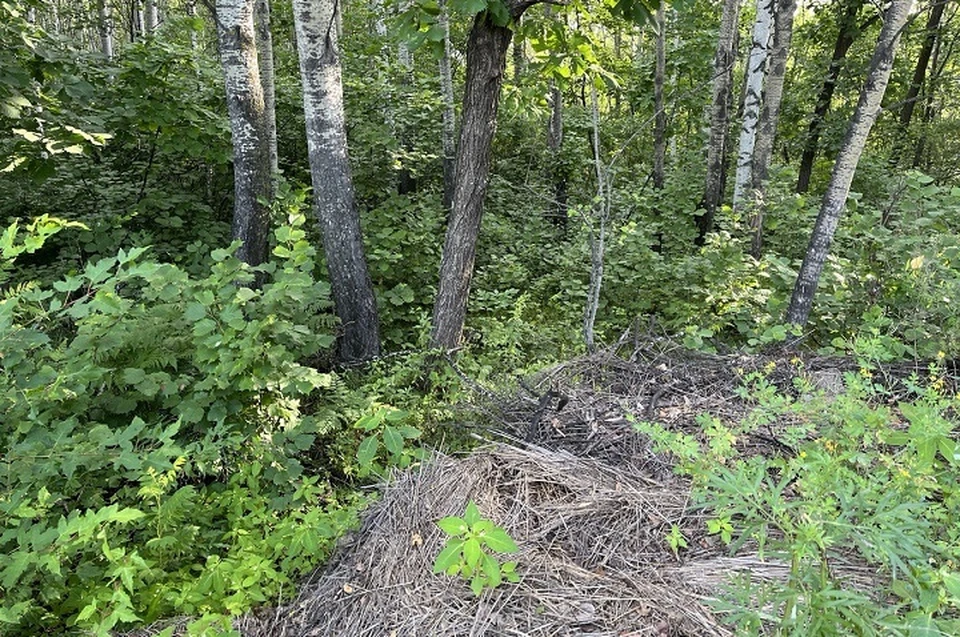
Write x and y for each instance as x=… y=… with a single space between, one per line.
x=479 y=317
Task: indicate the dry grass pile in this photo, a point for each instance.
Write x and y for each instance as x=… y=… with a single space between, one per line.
x=592 y=557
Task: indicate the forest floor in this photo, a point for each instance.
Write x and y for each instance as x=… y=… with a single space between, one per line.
x=586 y=498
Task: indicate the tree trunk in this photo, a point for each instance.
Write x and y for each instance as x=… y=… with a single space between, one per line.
x=719 y=117
x=265 y=58
x=659 y=109
x=519 y=61
x=770 y=115
x=449 y=130
x=558 y=210
x=336 y=209
x=923 y=61
x=868 y=108
x=598 y=236
x=248 y=126
x=151 y=17
x=938 y=62
x=106 y=30
x=845 y=38
x=486 y=60
x=752 y=96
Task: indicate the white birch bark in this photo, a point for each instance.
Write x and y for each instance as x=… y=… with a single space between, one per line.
x=248 y=126
x=106 y=30
x=770 y=114
x=334 y=199
x=835 y=199
x=597 y=234
x=265 y=59
x=723 y=62
x=752 y=96
x=151 y=18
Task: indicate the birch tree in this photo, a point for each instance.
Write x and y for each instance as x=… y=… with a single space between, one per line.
x=248 y=127
x=265 y=59
x=333 y=193
x=770 y=115
x=151 y=16
x=723 y=62
x=752 y=97
x=834 y=200
x=106 y=29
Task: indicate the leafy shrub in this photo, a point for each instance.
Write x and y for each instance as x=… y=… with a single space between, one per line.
x=151 y=440
x=861 y=478
x=466 y=551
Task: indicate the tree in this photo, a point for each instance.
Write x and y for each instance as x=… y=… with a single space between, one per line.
x=486 y=61
x=151 y=16
x=106 y=30
x=333 y=194
x=449 y=131
x=249 y=127
x=770 y=115
x=265 y=59
x=752 y=98
x=659 y=108
x=834 y=200
x=723 y=62
x=845 y=38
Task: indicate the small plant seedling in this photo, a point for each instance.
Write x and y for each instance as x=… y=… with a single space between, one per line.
x=676 y=540
x=467 y=551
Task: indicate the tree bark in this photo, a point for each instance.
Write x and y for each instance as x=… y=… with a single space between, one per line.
x=449 y=130
x=248 y=126
x=265 y=58
x=770 y=115
x=659 y=108
x=923 y=61
x=723 y=62
x=598 y=236
x=557 y=211
x=486 y=61
x=868 y=108
x=845 y=38
x=334 y=199
x=752 y=97
x=106 y=30
x=151 y=18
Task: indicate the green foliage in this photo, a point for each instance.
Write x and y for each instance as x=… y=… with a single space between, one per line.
x=467 y=551
x=151 y=440
x=863 y=479
x=385 y=444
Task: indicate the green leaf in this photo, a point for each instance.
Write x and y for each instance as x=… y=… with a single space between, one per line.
x=368 y=450
x=476 y=584
x=472 y=515
x=498 y=540
x=453 y=525
x=392 y=440
x=472 y=553
x=492 y=568
x=195 y=312
x=449 y=556
x=952 y=583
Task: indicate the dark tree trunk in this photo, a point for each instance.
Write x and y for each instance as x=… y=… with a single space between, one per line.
x=659 y=109
x=249 y=128
x=557 y=170
x=845 y=38
x=335 y=203
x=868 y=108
x=770 y=114
x=717 y=149
x=486 y=60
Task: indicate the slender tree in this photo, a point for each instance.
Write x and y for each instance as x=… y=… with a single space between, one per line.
x=449 y=130
x=265 y=59
x=334 y=199
x=931 y=31
x=106 y=29
x=770 y=115
x=249 y=128
x=556 y=170
x=752 y=98
x=659 y=108
x=723 y=62
x=834 y=200
x=846 y=36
